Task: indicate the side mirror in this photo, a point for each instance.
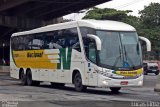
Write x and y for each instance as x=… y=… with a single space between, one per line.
x=148 y=43
x=97 y=39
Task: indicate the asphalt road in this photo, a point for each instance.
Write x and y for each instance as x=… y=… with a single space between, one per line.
x=15 y=95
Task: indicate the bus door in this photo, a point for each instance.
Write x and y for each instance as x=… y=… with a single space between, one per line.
x=90 y=50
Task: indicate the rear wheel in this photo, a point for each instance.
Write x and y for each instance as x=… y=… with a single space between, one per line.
x=22 y=77
x=78 y=83
x=115 y=89
x=29 y=78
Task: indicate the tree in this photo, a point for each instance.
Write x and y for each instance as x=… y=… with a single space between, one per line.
x=113 y=14
x=150 y=26
x=106 y=14
x=150 y=16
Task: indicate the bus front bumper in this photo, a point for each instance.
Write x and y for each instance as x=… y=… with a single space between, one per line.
x=109 y=82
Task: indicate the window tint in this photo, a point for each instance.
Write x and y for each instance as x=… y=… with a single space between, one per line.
x=67 y=38
x=89 y=44
x=27 y=41
x=90 y=49
x=85 y=31
x=49 y=40
x=18 y=43
x=36 y=42
x=72 y=40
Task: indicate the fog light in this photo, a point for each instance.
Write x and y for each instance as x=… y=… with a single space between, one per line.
x=105 y=82
x=140 y=83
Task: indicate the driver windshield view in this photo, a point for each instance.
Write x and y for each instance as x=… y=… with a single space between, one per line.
x=119 y=49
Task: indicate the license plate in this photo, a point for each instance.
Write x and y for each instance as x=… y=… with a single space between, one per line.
x=154 y=70
x=124 y=83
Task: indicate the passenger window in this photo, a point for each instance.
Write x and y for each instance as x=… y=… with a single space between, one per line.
x=90 y=49
x=72 y=40
x=37 y=42
x=18 y=43
x=49 y=40
x=60 y=42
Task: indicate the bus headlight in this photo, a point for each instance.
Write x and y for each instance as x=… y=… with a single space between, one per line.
x=140 y=83
x=105 y=82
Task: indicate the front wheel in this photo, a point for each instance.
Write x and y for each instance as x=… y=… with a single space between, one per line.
x=78 y=83
x=115 y=89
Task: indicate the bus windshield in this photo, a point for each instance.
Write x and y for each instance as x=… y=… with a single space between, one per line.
x=120 y=49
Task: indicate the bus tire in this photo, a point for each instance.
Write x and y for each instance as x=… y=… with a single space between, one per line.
x=29 y=78
x=22 y=77
x=115 y=89
x=78 y=83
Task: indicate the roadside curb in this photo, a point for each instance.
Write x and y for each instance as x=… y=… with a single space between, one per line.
x=4 y=70
x=157 y=87
x=4 y=73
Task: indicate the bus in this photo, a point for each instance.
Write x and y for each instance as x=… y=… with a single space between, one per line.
x=86 y=53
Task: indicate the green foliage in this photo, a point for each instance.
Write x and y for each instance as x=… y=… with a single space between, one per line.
x=150 y=16
x=106 y=14
x=112 y=14
x=150 y=25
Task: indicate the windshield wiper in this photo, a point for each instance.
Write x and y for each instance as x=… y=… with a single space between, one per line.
x=128 y=58
x=117 y=58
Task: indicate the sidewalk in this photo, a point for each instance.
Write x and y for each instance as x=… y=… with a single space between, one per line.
x=4 y=70
x=157 y=87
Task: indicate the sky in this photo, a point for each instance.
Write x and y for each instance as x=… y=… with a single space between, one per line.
x=134 y=5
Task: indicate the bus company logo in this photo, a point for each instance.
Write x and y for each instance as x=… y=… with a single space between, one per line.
x=128 y=72
x=65 y=58
x=61 y=57
x=34 y=54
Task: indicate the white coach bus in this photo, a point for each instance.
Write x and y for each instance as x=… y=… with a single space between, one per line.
x=86 y=53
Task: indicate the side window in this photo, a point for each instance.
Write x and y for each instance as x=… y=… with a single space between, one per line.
x=60 y=40
x=85 y=31
x=27 y=40
x=49 y=40
x=90 y=49
x=13 y=43
x=36 y=42
x=18 y=43
x=72 y=39
x=66 y=38
x=89 y=44
x=21 y=45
